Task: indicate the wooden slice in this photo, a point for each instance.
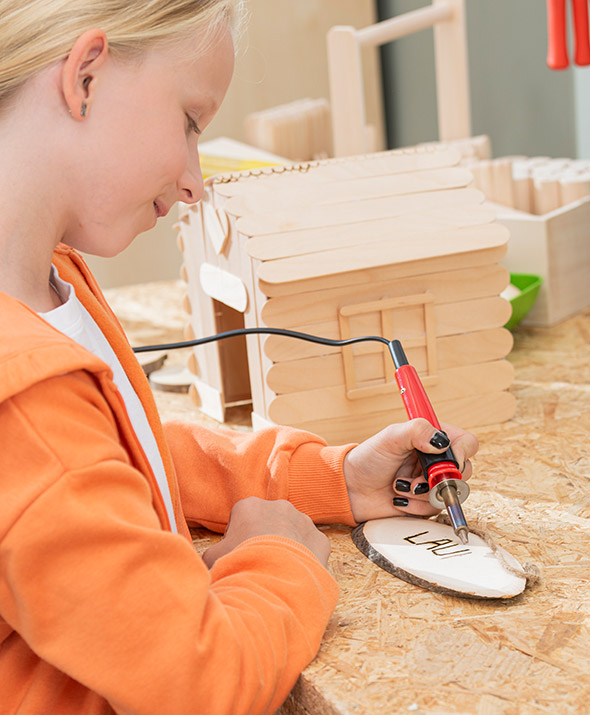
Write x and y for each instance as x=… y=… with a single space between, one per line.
x=172 y=379
x=151 y=361
x=428 y=554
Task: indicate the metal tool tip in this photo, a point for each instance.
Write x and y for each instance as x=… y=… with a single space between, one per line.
x=463 y=535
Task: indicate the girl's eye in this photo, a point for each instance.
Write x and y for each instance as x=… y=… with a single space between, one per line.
x=192 y=125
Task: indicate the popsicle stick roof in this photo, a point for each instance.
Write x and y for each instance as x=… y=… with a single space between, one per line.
x=324 y=218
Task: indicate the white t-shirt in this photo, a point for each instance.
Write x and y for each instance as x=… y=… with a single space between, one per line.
x=72 y=319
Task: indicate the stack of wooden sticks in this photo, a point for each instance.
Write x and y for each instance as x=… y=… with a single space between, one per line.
x=300 y=130
x=535 y=185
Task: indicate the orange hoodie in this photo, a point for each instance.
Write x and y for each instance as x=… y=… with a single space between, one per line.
x=102 y=608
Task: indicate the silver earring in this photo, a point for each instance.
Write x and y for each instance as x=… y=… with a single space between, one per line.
x=83 y=109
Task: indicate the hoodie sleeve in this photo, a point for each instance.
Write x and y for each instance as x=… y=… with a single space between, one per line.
x=95 y=587
x=216 y=468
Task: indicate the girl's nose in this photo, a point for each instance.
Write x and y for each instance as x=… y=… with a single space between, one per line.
x=190 y=184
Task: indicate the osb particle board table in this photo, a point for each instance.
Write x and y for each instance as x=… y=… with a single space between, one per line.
x=394 y=648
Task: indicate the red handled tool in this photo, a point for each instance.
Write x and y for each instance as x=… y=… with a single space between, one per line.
x=447 y=488
x=557 y=54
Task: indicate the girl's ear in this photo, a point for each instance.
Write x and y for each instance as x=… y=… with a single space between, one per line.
x=78 y=76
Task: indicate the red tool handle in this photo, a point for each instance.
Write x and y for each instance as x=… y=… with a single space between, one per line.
x=414 y=395
x=557 y=58
x=581 y=33
x=436 y=467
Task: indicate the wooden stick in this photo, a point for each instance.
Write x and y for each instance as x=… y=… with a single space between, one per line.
x=448 y=286
x=405 y=24
x=332 y=402
x=327 y=370
x=474 y=315
x=265 y=201
x=297 y=243
x=363 y=210
x=470 y=412
x=379 y=253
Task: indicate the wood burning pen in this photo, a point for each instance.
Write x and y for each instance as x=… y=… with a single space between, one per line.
x=447 y=488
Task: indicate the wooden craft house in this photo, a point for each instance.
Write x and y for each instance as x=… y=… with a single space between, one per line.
x=396 y=244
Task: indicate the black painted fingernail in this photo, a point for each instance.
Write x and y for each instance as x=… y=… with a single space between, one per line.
x=402 y=486
x=440 y=440
x=400 y=501
x=421 y=488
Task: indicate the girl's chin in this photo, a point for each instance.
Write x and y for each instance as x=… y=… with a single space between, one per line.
x=101 y=249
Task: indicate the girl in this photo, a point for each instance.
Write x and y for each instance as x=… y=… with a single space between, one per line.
x=104 y=604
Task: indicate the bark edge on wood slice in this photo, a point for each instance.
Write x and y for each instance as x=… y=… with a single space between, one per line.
x=427 y=553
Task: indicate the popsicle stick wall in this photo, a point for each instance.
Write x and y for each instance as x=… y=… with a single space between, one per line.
x=395 y=244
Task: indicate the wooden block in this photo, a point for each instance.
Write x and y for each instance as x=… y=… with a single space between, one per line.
x=573 y=186
x=502 y=182
x=207 y=399
x=546 y=192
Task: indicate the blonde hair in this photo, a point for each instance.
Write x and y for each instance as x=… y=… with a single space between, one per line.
x=35 y=34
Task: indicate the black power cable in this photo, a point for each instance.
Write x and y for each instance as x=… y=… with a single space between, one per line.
x=270 y=331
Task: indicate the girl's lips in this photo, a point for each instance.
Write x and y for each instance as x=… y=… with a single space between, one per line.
x=161 y=209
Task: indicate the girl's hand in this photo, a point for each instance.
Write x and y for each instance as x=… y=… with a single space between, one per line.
x=383 y=474
x=260 y=517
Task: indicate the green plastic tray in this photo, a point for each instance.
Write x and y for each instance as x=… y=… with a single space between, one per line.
x=529 y=285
